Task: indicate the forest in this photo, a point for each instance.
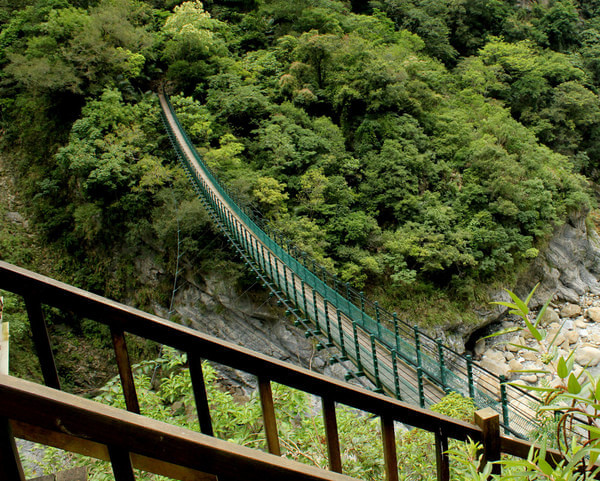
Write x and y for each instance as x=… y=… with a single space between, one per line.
x=419 y=149
x=424 y=151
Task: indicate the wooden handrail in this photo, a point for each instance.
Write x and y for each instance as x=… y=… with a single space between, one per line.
x=124 y=432
x=123 y=319
x=142 y=324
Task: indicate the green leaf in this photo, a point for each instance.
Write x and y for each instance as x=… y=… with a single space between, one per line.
x=543 y=464
x=521 y=346
x=505 y=304
x=505 y=331
x=573 y=384
x=534 y=332
x=557 y=333
x=571 y=360
x=520 y=304
x=595 y=431
x=532 y=388
x=597 y=390
x=562 y=369
x=531 y=294
x=538 y=318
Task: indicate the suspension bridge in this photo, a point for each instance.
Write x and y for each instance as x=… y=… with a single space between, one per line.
x=399 y=359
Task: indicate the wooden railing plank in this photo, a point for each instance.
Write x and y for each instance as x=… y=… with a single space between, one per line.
x=200 y=396
x=268 y=412
x=151 y=327
x=331 y=434
x=126 y=319
x=81 y=418
x=41 y=341
x=124 y=365
x=88 y=448
x=521 y=448
x=10 y=463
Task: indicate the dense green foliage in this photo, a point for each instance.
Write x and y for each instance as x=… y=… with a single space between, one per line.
x=426 y=146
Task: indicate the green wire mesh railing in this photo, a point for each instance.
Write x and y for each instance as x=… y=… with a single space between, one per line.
x=398 y=358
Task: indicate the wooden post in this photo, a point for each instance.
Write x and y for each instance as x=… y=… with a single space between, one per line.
x=489 y=422
x=389 y=448
x=200 y=397
x=3 y=341
x=131 y=400
x=41 y=340
x=331 y=435
x=441 y=456
x=121 y=464
x=10 y=464
x=268 y=411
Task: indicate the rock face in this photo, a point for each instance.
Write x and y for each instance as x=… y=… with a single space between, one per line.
x=568 y=268
x=570 y=265
x=249 y=320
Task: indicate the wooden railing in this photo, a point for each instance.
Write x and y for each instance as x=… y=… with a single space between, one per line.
x=128 y=440
x=38 y=290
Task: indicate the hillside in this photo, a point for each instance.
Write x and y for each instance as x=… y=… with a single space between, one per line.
x=425 y=152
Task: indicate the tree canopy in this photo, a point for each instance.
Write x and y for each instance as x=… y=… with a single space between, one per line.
x=406 y=144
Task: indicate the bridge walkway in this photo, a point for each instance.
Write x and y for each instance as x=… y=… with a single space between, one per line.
x=397 y=358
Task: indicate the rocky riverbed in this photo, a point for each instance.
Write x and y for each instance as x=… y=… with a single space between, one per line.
x=571 y=326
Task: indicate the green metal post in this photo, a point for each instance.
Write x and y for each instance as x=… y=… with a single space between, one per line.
x=377 y=318
x=470 y=376
x=247 y=242
x=362 y=306
x=420 y=383
x=357 y=349
x=261 y=254
x=348 y=297
x=328 y=324
x=285 y=280
x=238 y=231
x=270 y=267
x=254 y=248
x=504 y=400
x=231 y=224
x=396 y=336
x=294 y=288
x=396 y=377
x=375 y=364
x=315 y=308
x=304 y=298
x=341 y=336
x=277 y=279
x=442 y=365
x=418 y=346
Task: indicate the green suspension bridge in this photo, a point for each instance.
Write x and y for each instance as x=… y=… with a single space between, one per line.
x=397 y=358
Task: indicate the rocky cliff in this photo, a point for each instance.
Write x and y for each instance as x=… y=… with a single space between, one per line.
x=569 y=266
x=251 y=319
x=566 y=268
